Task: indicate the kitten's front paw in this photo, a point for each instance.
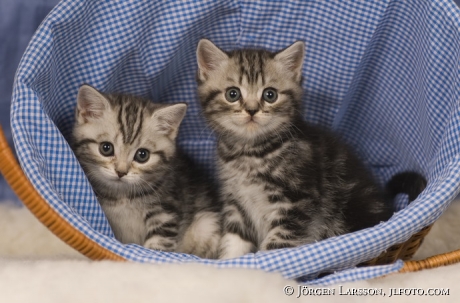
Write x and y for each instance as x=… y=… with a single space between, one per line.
x=207 y=250
x=275 y=245
x=202 y=237
x=233 y=246
x=160 y=243
x=275 y=242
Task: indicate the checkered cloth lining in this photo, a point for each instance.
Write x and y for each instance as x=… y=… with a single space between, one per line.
x=383 y=74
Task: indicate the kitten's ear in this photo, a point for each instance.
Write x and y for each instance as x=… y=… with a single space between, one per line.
x=209 y=58
x=292 y=58
x=168 y=119
x=91 y=104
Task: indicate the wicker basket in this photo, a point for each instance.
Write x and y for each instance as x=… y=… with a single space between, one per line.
x=399 y=110
x=13 y=174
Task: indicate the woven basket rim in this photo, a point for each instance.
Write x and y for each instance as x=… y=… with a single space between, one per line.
x=16 y=178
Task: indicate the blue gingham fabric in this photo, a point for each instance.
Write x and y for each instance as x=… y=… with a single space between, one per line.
x=384 y=74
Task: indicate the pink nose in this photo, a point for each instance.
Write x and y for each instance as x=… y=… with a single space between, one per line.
x=120 y=174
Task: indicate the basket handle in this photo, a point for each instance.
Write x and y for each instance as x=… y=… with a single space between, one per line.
x=432 y=262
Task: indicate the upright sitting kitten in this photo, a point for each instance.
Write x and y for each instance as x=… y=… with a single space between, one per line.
x=284 y=182
x=150 y=192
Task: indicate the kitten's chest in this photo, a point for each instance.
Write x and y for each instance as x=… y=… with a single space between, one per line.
x=126 y=219
x=243 y=183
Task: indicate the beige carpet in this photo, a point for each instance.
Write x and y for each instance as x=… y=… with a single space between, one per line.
x=35 y=266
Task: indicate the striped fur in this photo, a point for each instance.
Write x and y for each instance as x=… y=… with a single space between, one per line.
x=163 y=203
x=284 y=182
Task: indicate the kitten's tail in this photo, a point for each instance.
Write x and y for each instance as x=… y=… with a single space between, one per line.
x=410 y=183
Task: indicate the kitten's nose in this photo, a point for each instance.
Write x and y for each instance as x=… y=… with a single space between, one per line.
x=252 y=112
x=120 y=174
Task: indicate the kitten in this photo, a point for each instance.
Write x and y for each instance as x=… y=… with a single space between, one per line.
x=150 y=192
x=284 y=182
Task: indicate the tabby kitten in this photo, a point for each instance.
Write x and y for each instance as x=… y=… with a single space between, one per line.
x=284 y=182
x=150 y=192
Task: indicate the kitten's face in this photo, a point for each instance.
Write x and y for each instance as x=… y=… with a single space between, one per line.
x=249 y=93
x=124 y=143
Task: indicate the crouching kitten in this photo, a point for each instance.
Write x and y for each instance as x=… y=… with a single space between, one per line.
x=149 y=190
x=284 y=182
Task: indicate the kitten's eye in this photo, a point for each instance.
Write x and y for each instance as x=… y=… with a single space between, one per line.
x=106 y=149
x=142 y=155
x=233 y=94
x=270 y=95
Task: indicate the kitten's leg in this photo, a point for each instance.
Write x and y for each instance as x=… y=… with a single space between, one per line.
x=238 y=237
x=278 y=237
x=233 y=246
x=289 y=228
x=162 y=231
x=202 y=237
